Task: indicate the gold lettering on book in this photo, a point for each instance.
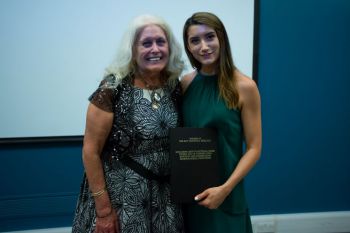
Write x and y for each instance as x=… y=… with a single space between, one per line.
x=195 y=154
x=197 y=139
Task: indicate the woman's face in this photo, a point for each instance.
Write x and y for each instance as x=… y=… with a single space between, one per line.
x=151 y=50
x=203 y=43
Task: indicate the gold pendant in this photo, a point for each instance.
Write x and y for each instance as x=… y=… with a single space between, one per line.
x=156 y=96
x=155 y=105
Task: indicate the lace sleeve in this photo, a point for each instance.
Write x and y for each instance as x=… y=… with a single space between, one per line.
x=103 y=97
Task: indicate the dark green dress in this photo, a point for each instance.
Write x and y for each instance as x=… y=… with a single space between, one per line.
x=202 y=107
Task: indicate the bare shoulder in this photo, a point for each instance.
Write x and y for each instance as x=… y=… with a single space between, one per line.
x=247 y=88
x=187 y=79
x=245 y=84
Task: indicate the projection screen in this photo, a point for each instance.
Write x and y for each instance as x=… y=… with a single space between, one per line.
x=54 y=54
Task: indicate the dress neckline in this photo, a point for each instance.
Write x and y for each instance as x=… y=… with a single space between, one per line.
x=206 y=75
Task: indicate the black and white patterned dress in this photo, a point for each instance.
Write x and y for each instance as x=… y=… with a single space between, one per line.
x=141 y=132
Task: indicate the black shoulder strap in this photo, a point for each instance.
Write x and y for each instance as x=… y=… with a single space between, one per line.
x=142 y=171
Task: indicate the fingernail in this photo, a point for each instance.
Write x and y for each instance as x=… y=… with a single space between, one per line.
x=196 y=198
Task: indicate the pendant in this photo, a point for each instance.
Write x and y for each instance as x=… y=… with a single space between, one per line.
x=155 y=105
x=156 y=96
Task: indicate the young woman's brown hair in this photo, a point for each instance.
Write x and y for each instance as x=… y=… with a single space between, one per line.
x=226 y=68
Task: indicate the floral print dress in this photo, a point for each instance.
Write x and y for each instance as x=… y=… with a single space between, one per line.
x=140 y=132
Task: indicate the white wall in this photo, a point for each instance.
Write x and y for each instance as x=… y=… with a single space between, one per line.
x=53 y=54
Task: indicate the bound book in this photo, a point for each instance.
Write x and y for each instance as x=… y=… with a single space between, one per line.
x=194 y=162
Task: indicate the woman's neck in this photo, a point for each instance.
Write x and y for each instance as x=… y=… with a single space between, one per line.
x=148 y=82
x=207 y=73
x=208 y=70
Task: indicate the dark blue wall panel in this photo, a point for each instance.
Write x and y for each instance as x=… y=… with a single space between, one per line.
x=304 y=77
x=39 y=184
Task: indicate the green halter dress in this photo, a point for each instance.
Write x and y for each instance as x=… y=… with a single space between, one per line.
x=202 y=107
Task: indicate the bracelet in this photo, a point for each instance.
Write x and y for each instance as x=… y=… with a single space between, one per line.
x=99 y=193
x=106 y=215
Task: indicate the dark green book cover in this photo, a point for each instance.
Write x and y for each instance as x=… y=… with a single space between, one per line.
x=194 y=162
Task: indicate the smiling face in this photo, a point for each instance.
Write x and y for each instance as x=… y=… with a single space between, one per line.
x=151 y=51
x=203 y=43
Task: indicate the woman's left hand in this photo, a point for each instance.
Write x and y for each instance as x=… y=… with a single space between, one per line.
x=212 y=198
x=109 y=224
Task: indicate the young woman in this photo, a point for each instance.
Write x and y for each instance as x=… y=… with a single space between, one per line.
x=218 y=95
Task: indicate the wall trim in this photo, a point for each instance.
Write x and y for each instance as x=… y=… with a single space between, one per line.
x=318 y=222
x=48 y=230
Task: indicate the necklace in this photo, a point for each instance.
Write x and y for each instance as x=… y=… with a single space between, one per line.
x=155 y=99
x=154 y=93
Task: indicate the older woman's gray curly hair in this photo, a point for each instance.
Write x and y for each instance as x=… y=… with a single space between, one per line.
x=124 y=64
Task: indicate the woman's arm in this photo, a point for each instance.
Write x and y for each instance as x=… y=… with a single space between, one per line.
x=98 y=126
x=251 y=122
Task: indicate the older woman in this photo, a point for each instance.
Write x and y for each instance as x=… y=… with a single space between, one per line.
x=125 y=152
